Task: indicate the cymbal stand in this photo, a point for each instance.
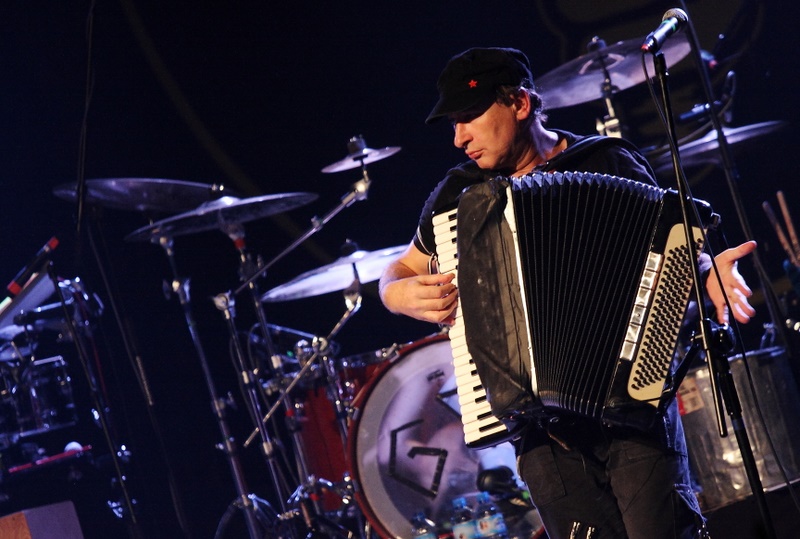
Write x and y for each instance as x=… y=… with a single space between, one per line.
x=352 y=296
x=610 y=126
x=713 y=338
x=252 y=388
x=318 y=525
x=254 y=517
x=358 y=191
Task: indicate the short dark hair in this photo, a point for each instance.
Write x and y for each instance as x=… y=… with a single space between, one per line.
x=506 y=94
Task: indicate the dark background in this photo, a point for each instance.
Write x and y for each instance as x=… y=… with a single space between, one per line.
x=261 y=96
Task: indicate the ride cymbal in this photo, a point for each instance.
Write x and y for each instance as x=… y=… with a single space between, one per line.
x=337 y=275
x=583 y=79
x=221 y=213
x=145 y=194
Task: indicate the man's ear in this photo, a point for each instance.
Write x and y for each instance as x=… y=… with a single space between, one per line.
x=522 y=105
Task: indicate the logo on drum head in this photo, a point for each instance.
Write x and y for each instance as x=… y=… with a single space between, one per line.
x=438 y=373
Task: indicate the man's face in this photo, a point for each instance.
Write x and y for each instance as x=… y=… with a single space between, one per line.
x=488 y=136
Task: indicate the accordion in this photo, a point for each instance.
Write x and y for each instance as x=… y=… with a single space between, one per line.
x=572 y=291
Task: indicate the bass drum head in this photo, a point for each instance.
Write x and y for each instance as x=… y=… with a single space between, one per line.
x=406 y=445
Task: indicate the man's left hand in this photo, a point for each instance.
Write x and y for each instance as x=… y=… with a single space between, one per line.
x=733 y=284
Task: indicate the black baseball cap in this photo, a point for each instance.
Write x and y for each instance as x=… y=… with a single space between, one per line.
x=469 y=79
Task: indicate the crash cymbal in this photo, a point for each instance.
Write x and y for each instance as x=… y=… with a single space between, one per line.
x=705 y=150
x=145 y=194
x=581 y=80
x=221 y=213
x=358 y=154
x=337 y=275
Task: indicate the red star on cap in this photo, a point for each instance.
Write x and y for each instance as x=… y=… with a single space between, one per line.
x=473 y=83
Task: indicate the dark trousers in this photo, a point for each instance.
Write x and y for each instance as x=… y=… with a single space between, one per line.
x=590 y=481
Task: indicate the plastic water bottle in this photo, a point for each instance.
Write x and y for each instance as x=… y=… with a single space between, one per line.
x=489 y=521
x=463 y=520
x=422 y=528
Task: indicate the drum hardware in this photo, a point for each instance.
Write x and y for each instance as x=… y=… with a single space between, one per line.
x=145 y=194
x=336 y=275
x=602 y=72
x=352 y=296
x=252 y=511
x=253 y=391
x=52 y=387
x=225 y=304
x=359 y=155
x=318 y=525
x=358 y=191
x=705 y=150
x=220 y=213
x=610 y=125
x=227 y=214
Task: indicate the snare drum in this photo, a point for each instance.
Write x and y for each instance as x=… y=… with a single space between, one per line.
x=717 y=462
x=406 y=445
x=44 y=398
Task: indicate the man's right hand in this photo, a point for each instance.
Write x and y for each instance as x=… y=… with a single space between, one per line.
x=430 y=298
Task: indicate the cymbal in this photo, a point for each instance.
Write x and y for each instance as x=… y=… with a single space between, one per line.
x=705 y=150
x=366 y=156
x=220 y=213
x=145 y=194
x=581 y=80
x=358 y=154
x=337 y=275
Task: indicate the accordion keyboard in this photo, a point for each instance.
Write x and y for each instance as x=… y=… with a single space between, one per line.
x=481 y=428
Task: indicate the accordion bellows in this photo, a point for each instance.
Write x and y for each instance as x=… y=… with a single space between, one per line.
x=573 y=287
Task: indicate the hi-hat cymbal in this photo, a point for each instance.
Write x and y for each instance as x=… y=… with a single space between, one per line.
x=358 y=153
x=337 y=275
x=705 y=150
x=145 y=194
x=581 y=80
x=220 y=213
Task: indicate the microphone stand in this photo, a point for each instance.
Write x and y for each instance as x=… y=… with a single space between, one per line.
x=102 y=411
x=732 y=181
x=713 y=339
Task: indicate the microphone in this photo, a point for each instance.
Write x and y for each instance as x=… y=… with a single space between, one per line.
x=498 y=481
x=16 y=285
x=672 y=21
x=702 y=111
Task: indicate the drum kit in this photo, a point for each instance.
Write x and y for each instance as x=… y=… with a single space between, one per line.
x=44 y=410
x=374 y=438
x=318 y=449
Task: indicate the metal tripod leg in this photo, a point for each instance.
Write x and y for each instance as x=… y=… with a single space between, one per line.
x=181 y=288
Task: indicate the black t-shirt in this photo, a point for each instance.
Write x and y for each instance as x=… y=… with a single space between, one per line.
x=593 y=153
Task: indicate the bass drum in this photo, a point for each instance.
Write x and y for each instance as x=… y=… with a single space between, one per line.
x=406 y=445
